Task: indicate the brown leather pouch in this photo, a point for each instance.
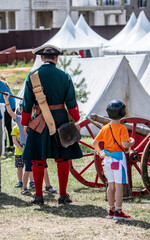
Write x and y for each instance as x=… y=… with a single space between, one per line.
x=37 y=124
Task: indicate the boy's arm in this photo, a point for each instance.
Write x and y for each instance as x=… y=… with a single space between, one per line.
x=9 y=110
x=128 y=144
x=16 y=143
x=96 y=146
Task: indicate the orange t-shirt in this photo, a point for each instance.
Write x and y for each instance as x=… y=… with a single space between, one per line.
x=120 y=133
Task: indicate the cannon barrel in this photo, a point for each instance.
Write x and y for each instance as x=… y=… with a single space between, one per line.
x=141 y=130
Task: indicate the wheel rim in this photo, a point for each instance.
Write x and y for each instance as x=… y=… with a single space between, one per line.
x=145 y=166
x=81 y=174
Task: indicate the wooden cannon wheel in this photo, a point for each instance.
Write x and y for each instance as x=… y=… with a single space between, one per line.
x=145 y=166
x=81 y=169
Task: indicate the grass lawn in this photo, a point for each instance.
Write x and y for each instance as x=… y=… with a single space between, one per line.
x=85 y=218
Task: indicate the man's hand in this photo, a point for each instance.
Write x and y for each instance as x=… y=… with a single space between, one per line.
x=26 y=129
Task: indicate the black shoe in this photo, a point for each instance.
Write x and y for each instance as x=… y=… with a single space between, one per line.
x=10 y=149
x=64 y=199
x=38 y=200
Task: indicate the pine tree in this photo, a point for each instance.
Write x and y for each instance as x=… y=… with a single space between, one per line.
x=81 y=86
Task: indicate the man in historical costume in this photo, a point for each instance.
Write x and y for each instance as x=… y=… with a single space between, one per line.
x=59 y=90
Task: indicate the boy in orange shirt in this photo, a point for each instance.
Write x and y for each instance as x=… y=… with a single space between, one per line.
x=116 y=139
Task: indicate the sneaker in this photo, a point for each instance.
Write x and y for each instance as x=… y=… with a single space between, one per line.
x=32 y=184
x=18 y=185
x=121 y=215
x=50 y=189
x=111 y=214
x=38 y=200
x=25 y=192
x=64 y=199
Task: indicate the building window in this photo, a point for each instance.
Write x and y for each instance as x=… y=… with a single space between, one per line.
x=2 y=20
x=11 y=20
x=126 y=2
x=110 y=2
x=44 y=19
x=142 y=3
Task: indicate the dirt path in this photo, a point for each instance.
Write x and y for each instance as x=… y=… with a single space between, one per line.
x=14 y=70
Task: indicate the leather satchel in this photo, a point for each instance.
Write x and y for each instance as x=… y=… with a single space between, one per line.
x=68 y=134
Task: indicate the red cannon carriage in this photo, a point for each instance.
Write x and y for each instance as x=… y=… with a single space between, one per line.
x=138 y=156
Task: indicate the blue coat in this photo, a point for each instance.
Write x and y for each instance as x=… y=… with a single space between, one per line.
x=4 y=88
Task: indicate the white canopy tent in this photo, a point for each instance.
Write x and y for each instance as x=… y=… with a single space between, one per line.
x=123 y=33
x=141 y=29
x=83 y=28
x=141 y=46
x=70 y=38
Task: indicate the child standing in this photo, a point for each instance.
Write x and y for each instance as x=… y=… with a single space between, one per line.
x=116 y=139
x=18 y=152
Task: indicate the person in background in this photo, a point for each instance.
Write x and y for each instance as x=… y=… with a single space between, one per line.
x=19 y=130
x=19 y=163
x=59 y=90
x=116 y=139
x=3 y=79
x=7 y=118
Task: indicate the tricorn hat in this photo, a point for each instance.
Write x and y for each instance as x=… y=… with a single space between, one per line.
x=47 y=49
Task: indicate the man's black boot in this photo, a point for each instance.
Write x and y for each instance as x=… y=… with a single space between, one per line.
x=38 y=200
x=64 y=199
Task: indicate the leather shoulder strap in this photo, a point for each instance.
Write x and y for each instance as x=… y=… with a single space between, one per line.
x=41 y=99
x=115 y=139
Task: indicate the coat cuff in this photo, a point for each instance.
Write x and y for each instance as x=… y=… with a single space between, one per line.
x=74 y=112
x=25 y=118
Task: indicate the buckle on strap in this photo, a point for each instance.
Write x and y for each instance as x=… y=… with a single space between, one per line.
x=37 y=89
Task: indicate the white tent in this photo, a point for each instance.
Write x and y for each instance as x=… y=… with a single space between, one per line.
x=140 y=46
x=138 y=63
x=140 y=30
x=116 y=81
x=124 y=32
x=82 y=27
x=145 y=80
x=69 y=38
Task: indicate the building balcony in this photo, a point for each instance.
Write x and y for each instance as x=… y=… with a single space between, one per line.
x=92 y=5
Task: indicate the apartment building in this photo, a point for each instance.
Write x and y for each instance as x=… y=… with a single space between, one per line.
x=47 y=14
x=137 y=6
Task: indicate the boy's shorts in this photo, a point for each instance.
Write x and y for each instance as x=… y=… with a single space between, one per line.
x=116 y=171
x=18 y=161
x=28 y=166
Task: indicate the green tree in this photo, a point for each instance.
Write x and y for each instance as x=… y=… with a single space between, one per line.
x=80 y=86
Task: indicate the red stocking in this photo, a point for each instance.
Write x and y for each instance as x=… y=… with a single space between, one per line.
x=63 y=174
x=38 y=175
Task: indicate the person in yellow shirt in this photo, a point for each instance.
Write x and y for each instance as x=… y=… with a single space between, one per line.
x=19 y=163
